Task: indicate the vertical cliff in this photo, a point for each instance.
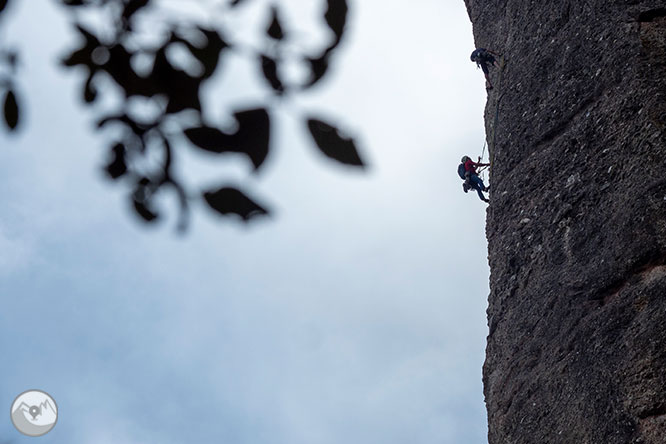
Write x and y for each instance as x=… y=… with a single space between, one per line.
x=577 y=222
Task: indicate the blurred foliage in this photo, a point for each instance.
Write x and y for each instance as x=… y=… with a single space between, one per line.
x=177 y=93
x=8 y=63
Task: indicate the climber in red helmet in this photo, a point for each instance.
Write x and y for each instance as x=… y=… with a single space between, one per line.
x=472 y=179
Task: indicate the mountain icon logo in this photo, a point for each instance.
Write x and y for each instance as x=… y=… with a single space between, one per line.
x=34 y=413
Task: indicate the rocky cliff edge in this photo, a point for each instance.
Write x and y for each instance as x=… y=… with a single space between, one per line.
x=576 y=227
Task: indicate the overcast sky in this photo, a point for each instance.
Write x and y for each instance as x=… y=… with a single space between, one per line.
x=356 y=314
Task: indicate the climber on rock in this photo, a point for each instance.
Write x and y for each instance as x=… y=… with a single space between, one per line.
x=467 y=172
x=484 y=57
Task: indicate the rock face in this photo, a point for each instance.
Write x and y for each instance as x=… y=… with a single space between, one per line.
x=577 y=222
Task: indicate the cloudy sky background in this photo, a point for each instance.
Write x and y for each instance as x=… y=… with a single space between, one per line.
x=355 y=314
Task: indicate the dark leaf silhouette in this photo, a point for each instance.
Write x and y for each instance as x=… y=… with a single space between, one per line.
x=275 y=29
x=83 y=55
x=181 y=89
x=118 y=166
x=11 y=110
x=251 y=138
x=3 y=4
x=168 y=158
x=336 y=18
x=208 y=138
x=141 y=200
x=177 y=92
x=89 y=91
x=318 y=68
x=142 y=210
x=229 y=200
x=333 y=145
x=269 y=68
x=119 y=67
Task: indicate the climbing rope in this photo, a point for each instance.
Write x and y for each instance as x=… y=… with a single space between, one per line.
x=499 y=98
x=482 y=170
x=494 y=128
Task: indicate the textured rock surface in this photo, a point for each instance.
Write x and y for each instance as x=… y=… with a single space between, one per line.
x=577 y=224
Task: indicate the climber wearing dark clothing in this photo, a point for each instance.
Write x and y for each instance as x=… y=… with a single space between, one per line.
x=484 y=57
x=472 y=179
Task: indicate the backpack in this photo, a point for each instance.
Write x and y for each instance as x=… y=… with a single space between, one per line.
x=461 y=171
